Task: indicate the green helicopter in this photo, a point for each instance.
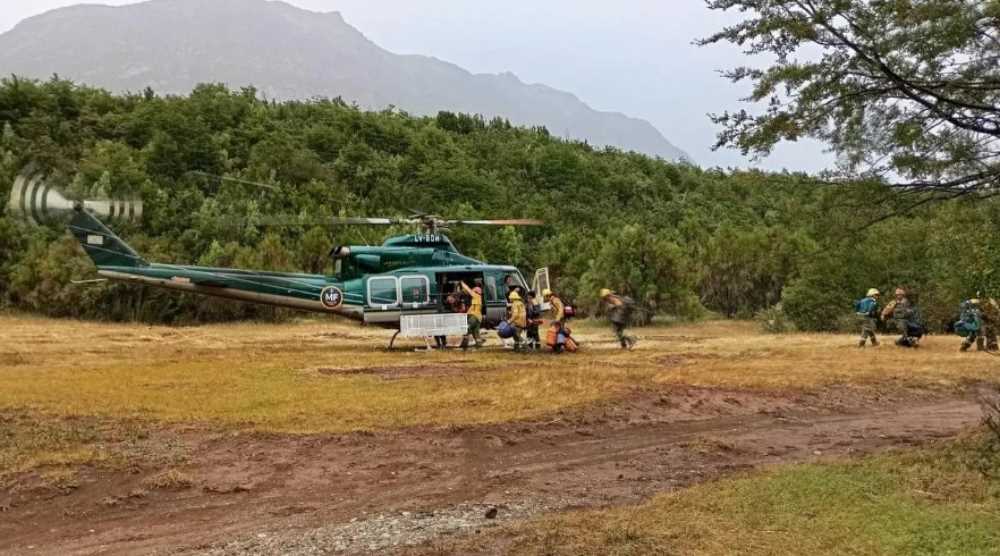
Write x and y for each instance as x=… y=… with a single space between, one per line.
x=376 y=285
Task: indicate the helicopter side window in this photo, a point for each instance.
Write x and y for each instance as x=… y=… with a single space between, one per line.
x=383 y=292
x=416 y=290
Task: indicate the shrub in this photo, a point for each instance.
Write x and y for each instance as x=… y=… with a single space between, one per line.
x=774 y=320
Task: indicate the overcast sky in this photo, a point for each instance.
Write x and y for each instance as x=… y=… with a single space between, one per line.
x=630 y=56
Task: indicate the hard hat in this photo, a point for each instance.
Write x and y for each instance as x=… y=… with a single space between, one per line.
x=873 y=292
x=606 y=292
x=514 y=295
x=546 y=293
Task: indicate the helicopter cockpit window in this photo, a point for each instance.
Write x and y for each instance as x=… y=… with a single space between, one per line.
x=383 y=292
x=514 y=279
x=416 y=290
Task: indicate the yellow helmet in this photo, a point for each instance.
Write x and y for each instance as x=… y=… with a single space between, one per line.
x=606 y=292
x=873 y=292
x=514 y=296
x=546 y=293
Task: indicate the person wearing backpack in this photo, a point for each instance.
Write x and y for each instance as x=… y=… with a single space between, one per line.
x=905 y=314
x=866 y=310
x=978 y=324
x=619 y=313
x=991 y=320
x=534 y=315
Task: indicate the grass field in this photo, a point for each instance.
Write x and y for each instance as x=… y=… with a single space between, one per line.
x=86 y=394
x=333 y=377
x=929 y=501
x=319 y=376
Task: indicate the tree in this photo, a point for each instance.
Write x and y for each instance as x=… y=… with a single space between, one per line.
x=651 y=269
x=905 y=90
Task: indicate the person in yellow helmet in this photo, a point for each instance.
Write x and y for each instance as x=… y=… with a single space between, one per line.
x=518 y=316
x=557 y=312
x=619 y=313
x=866 y=310
x=557 y=309
x=474 y=313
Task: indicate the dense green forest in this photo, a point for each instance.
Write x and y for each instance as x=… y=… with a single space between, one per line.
x=684 y=241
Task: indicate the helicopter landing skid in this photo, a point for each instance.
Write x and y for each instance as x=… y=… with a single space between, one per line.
x=392 y=342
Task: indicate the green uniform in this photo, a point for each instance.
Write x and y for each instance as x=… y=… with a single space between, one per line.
x=986 y=338
x=620 y=313
x=905 y=316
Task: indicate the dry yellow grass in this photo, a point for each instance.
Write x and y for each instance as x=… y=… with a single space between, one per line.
x=268 y=377
x=734 y=354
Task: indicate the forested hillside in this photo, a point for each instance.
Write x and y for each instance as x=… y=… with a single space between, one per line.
x=680 y=239
x=172 y=45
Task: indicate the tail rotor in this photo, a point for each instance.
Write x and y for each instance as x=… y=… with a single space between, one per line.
x=37 y=199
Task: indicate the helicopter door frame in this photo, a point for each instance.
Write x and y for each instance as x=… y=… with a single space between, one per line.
x=542 y=282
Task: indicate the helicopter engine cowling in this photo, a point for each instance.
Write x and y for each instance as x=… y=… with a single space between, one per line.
x=368 y=263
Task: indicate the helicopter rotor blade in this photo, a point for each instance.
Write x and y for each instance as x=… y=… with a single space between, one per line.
x=273 y=221
x=234 y=180
x=515 y=222
x=347 y=221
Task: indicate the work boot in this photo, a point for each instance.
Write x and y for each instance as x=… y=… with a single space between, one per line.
x=875 y=342
x=965 y=347
x=862 y=343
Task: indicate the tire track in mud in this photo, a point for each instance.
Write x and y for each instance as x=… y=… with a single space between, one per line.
x=291 y=488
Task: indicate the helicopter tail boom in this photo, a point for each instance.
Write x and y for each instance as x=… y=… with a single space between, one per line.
x=101 y=244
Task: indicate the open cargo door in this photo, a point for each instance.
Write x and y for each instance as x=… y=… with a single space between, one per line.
x=541 y=283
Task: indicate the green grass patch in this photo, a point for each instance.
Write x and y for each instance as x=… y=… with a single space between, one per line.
x=923 y=502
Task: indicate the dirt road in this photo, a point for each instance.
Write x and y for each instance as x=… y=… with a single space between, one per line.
x=241 y=493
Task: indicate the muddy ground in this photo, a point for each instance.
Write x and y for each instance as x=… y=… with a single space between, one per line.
x=236 y=493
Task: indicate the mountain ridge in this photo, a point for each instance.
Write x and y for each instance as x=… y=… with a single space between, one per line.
x=287 y=53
